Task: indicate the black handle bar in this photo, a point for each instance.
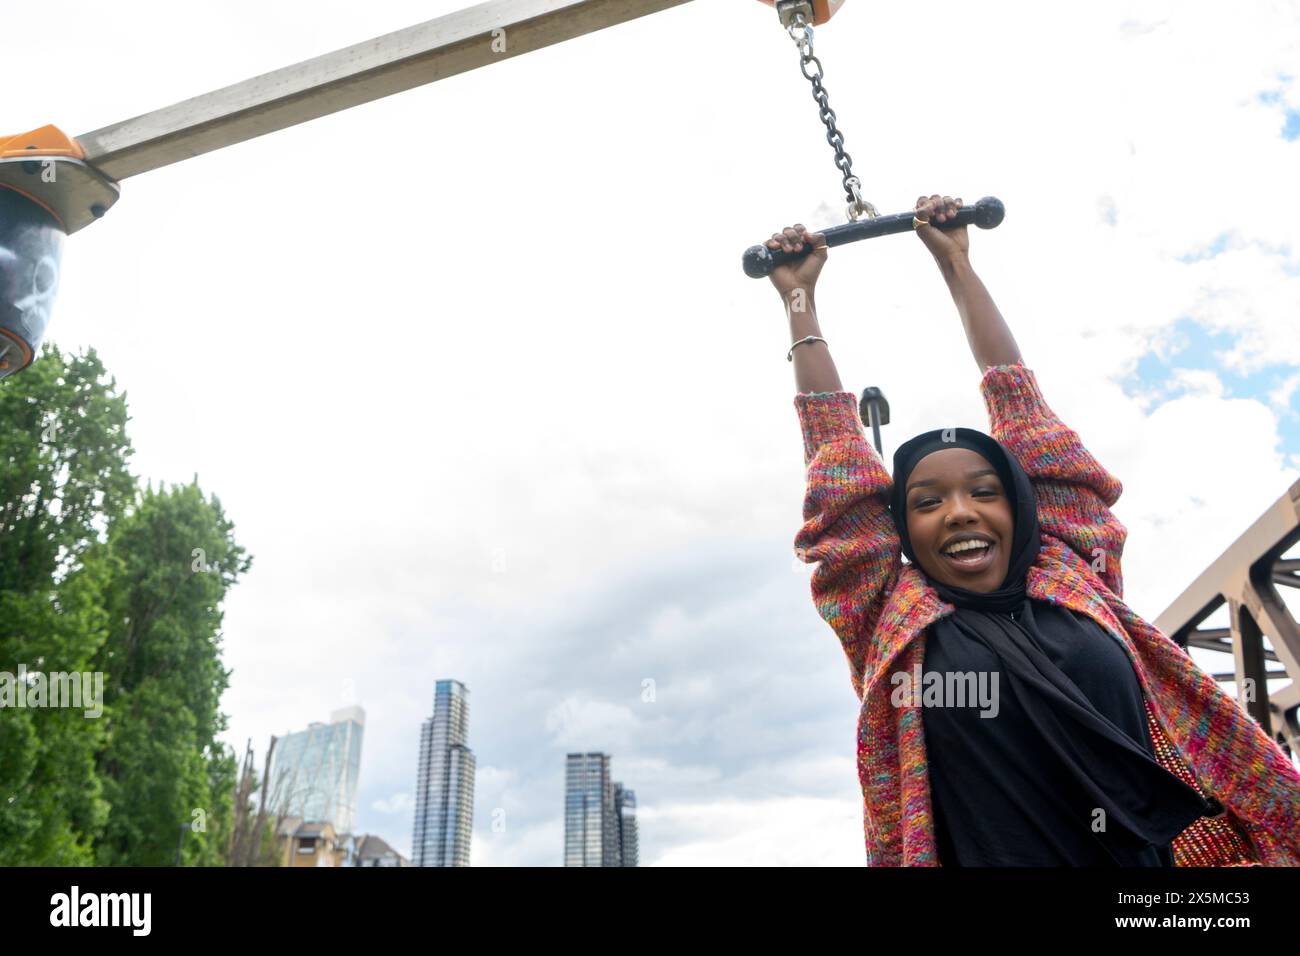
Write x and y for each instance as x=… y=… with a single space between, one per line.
x=761 y=260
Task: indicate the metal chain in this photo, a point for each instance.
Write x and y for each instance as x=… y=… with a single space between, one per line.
x=857 y=205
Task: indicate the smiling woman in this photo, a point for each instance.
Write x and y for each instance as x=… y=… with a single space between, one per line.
x=1107 y=746
x=1001 y=792
x=953 y=510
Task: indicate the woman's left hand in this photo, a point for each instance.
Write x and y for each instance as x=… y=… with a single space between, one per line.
x=944 y=244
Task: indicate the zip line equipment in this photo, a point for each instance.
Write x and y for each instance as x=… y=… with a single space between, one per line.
x=53 y=184
x=799 y=17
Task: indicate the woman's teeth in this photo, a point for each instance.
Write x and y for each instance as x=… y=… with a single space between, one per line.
x=972 y=554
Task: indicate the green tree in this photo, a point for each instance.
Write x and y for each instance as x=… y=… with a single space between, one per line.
x=174 y=557
x=99 y=576
x=64 y=448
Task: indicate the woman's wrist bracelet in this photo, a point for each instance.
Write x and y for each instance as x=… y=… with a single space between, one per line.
x=789 y=356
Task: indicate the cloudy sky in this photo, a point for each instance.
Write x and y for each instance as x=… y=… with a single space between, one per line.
x=476 y=372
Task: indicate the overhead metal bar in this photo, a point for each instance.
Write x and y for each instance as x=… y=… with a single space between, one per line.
x=1245 y=578
x=399 y=61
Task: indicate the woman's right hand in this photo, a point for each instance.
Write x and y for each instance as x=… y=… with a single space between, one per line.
x=802 y=272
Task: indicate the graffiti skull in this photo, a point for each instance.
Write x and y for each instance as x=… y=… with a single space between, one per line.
x=31 y=246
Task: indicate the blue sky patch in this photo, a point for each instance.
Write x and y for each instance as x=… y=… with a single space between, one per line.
x=1190 y=345
x=1291 y=127
x=1289 y=263
x=1209 y=252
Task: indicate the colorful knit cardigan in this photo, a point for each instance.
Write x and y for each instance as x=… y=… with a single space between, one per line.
x=879 y=607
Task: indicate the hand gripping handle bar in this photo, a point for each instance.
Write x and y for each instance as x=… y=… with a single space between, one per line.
x=761 y=260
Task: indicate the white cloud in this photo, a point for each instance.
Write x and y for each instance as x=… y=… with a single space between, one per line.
x=594 y=725
x=397 y=803
x=1182 y=506
x=1200 y=383
x=778 y=832
x=1281 y=397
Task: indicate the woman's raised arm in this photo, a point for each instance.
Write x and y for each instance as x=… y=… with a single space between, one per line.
x=814 y=370
x=991 y=341
x=846 y=531
x=1075 y=493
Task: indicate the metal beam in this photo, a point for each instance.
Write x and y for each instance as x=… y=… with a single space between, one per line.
x=1244 y=578
x=425 y=53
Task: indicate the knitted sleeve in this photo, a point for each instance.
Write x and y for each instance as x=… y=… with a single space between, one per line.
x=1074 y=492
x=847 y=527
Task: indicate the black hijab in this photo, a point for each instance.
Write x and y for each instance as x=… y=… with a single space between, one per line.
x=1117 y=772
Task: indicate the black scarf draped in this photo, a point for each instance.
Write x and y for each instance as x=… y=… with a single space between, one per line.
x=1146 y=804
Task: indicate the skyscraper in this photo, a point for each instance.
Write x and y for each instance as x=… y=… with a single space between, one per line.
x=625 y=814
x=599 y=815
x=314 y=772
x=589 y=835
x=444 y=785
